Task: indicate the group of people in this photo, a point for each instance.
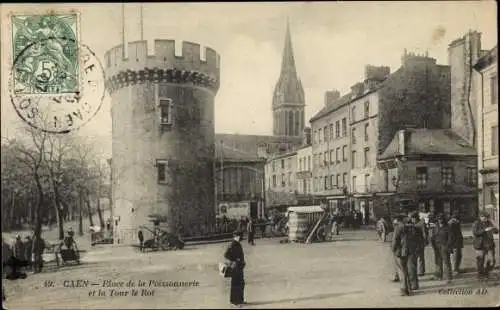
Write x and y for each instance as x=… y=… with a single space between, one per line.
x=411 y=235
x=23 y=253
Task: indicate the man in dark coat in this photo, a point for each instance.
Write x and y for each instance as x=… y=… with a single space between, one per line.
x=484 y=244
x=423 y=235
x=416 y=245
x=234 y=254
x=442 y=243
x=251 y=232
x=457 y=240
x=28 y=248
x=38 y=248
x=400 y=250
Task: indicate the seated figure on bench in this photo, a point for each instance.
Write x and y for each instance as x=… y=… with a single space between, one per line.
x=68 y=242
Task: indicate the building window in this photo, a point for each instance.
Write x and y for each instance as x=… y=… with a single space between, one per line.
x=338 y=181
x=367 y=109
x=283 y=180
x=471 y=176
x=282 y=164
x=494 y=141
x=331 y=157
x=344 y=152
x=344 y=127
x=332 y=181
x=316 y=136
x=367 y=182
x=325 y=183
x=290 y=181
x=309 y=163
x=447 y=176
x=331 y=131
x=353 y=136
x=337 y=129
x=494 y=89
x=366 y=131
x=421 y=176
x=353 y=114
x=353 y=160
x=354 y=184
x=366 y=157
x=337 y=155
x=344 y=179
x=161 y=167
x=165 y=105
x=325 y=158
x=274 y=180
x=325 y=133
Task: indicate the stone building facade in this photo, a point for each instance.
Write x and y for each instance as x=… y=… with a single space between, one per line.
x=330 y=149
x=163 y=137
x=281 y=171
x=487 y=131
x=430 y=169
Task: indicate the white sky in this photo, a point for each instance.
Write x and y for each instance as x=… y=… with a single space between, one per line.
x=332 y=44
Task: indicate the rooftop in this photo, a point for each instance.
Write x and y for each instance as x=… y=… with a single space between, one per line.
x=430 y=142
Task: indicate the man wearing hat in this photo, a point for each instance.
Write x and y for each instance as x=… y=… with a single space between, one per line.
x=234 y=254
x=400 y=250
x=484 y=244
x=416 y=245
x=442 y=241
x=457 y=240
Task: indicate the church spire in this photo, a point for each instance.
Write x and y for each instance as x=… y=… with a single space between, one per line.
x=288 y=62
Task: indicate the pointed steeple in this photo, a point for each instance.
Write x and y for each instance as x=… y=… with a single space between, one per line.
x=288 y=62
x=288 y=99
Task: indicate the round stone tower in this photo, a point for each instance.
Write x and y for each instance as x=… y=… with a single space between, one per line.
x=163 y=137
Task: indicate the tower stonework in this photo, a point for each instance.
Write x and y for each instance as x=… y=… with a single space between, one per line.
x=163 y=137
x=463 y=53
x=288 y=100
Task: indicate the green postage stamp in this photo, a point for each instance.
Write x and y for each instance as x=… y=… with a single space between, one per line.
x=45 y=54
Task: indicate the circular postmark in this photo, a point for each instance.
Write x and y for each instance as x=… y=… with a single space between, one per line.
x=57 y=85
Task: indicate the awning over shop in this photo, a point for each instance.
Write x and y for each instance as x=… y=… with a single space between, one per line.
x=305 y=209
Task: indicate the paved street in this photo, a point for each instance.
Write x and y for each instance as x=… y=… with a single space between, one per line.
x=354 y=271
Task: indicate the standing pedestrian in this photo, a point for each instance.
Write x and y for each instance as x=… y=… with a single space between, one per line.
x=251 y=232
x=484 y=244
x=416 y=245
x=140 y=235
x=28 y=248
x=423 y=232
x=442 y=242
x=399 y=247
x=38 y=248
x=234 y=254
x=457 y=240
x=382 y=229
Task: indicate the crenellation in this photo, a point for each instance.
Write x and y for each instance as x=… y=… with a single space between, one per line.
x=164 y=57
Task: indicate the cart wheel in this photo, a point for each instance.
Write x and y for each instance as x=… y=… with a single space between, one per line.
x=321 y=233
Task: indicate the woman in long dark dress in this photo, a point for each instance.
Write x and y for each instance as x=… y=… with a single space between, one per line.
x=234 y=254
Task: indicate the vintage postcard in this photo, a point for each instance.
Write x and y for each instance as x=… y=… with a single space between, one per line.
x=249 y=155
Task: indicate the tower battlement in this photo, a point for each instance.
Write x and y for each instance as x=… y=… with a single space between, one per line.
x=163 y=58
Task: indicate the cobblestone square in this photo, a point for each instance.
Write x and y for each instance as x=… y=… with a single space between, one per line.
x=353 y=271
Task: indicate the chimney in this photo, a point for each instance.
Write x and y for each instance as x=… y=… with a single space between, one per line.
x=357 y=89
x=331 y=96
x=307 y=136
x=262 y=150
x=376 y=73
x=404 y=138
